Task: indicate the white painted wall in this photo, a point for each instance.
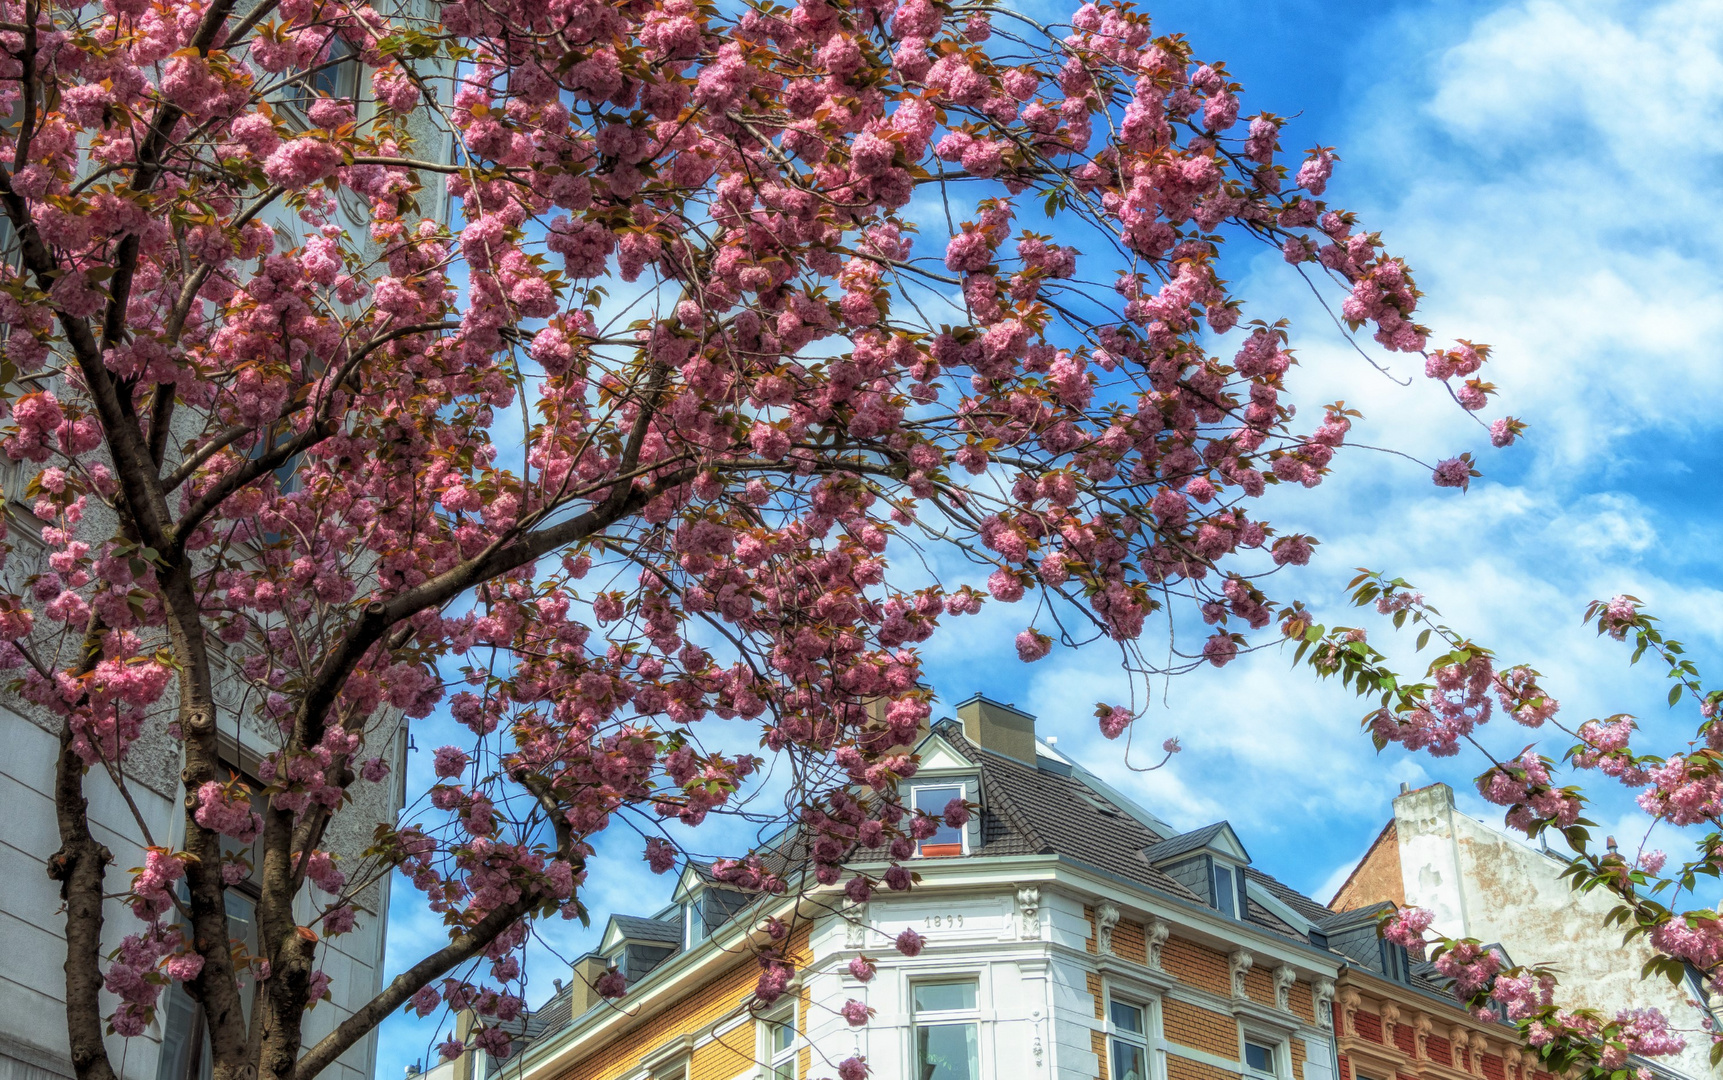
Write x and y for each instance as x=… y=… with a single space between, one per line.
x=1485 y=884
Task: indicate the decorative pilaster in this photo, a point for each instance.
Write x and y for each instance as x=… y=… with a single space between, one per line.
x=1284 y=978
x=1155 y=934
x=855 y=925
x=1390 y=1021
x=1106 y=918
x=1239 y=963
x=1029 y=912
x=1323 y=992
x=1349 y=1002
x=1422 y=1031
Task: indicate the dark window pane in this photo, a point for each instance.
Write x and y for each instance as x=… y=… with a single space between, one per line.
x=943 y=996
x=946 y=1052
x=1128 y=1061
x=1223 y=892
x=1258 y=1058
x=1127 y=1017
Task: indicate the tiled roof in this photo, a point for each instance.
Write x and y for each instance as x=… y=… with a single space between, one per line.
x=634 y=928
x=1173 y=847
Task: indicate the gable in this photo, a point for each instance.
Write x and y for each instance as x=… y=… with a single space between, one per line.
x=939 y=756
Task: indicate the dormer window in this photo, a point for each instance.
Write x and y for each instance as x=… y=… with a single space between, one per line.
x=1210 y=862
x=932 y=801
x=1225 y=891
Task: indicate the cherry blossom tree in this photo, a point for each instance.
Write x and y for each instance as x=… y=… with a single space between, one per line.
x=1464 y=686
x=742 y=301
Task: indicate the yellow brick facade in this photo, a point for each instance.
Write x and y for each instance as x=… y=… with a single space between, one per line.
x=1199 y=1028
x=1179 y=1068
x=1198 y=966
x=1129 y=941
x=710 y=1000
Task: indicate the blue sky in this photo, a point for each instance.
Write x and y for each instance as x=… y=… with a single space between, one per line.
x=1548 y=168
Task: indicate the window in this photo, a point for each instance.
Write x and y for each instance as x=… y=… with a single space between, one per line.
x=932 y=801
x=185 y=1040
x=1128 y=1045
x=337 y=76
x=778 y=1046
x=1259 y=1058
x=1395 y=963
x=1225 y=892
x=946 y=1030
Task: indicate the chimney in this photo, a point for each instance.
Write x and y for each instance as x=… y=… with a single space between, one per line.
x=586 y=972
x=1003 y=729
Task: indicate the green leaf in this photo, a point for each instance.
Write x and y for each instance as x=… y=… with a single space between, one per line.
x=1675 y=693
x=1423 y=638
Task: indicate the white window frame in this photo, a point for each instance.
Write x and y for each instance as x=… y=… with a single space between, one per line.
x=773 y=1059
x=919 y=1019
x=1144 y=1040
x=1278 y=1055
x=956 y=784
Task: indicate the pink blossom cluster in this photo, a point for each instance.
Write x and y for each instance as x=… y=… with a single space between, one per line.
x=1471 y=967
x=319 y=415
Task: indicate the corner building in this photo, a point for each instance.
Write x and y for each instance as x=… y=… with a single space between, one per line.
x=1071 y=935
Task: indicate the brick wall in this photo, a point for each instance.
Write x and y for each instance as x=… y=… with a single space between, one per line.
x=1302 y=1002
x=1369 y=1026
x=1179 y=1068
x=1259 y=985
x=1441 y=1050
x=1406 y=1039
x=1197 y=965
x=1129 y=942
x=1089 y=914
x=1196 y=1027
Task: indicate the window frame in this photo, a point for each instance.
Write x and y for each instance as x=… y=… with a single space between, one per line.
x=1143 y=1041
x=773 y=1060
x=340 y=77
x=1277 y=1055
x=1235 y=892
x=923 y=848
x=920 y=1019
x=192 y=1060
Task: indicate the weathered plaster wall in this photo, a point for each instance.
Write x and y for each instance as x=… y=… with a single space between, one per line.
x=1484 y=884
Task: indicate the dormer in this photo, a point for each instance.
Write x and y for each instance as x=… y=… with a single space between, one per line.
x=634 y=946
x=1210 y=862
x=705 y=905
x=1357 y=934
x=944 y=775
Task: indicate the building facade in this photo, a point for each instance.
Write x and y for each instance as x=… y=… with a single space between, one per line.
x=1482 y=883
x=148 y=810
x=1070 y=935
